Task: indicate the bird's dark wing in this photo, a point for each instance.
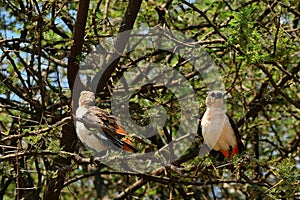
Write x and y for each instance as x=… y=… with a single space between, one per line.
x=101 y=119
x=237 y=134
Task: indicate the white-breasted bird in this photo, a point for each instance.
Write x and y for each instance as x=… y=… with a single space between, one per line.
x=218 y=129
x=97 y=129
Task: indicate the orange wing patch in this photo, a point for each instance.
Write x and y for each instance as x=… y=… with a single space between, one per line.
x=128 y=145
x=121 y=131
x=230 y=153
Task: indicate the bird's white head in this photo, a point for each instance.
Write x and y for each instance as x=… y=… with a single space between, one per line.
x=215 y=99
x=86 y=98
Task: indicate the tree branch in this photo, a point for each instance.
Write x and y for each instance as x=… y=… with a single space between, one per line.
x=121 y=41
x=78 y=37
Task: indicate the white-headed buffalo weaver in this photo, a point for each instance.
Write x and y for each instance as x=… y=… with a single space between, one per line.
x=97 y=129
x=218 y=129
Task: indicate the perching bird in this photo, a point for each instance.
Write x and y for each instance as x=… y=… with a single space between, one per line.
x=97 y=129
x=218 y=129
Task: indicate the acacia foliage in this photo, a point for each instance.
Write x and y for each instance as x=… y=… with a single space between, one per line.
x=255 y=45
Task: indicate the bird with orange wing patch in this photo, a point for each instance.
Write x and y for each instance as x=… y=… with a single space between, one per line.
x=218 y=129
x=97 y=129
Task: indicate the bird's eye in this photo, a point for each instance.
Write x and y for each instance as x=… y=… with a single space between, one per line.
x=212 y=95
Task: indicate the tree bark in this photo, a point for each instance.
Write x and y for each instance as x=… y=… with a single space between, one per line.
x=68 y=140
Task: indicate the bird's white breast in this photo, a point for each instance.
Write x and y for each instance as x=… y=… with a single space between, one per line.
x=216 y=130
x=91 y=139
